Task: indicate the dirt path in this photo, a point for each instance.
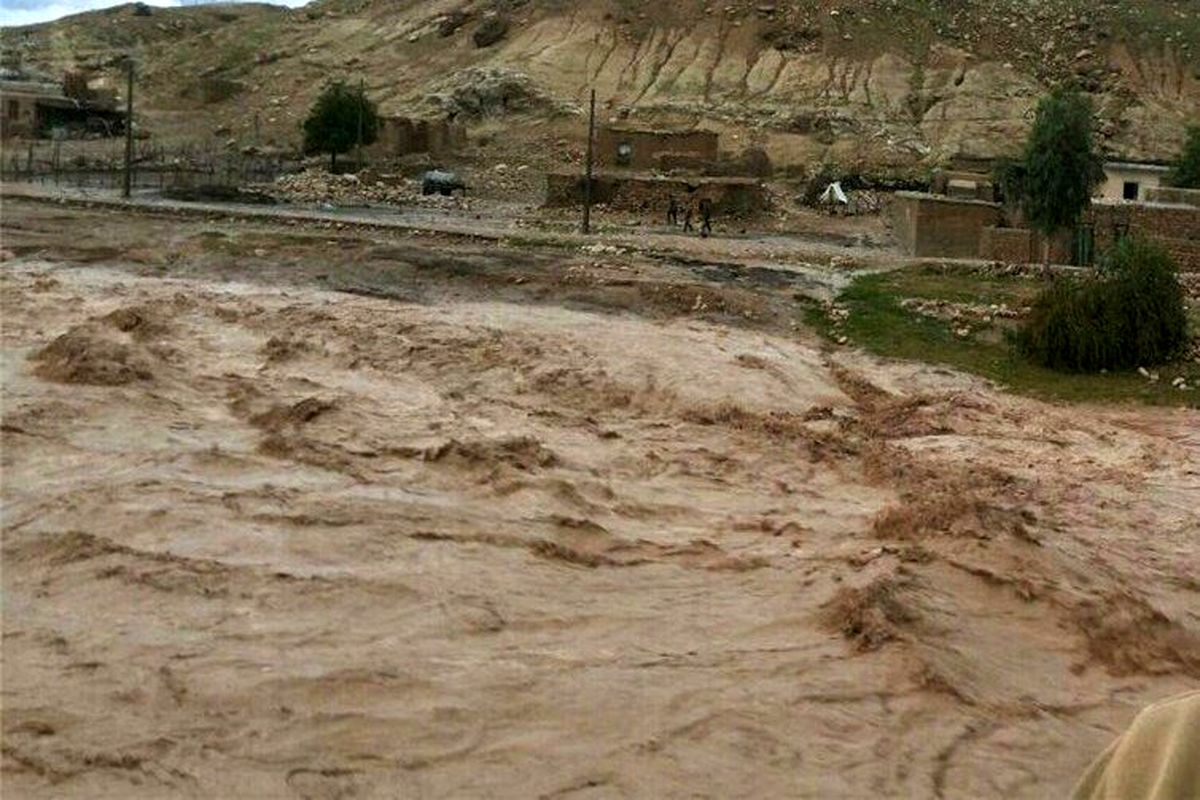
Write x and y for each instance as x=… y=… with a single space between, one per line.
x=262 y=538
x=827 y=265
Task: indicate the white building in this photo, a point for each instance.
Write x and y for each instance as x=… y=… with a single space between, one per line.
x=1129 y=180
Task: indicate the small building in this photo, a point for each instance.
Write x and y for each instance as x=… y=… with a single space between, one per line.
x=731 y=197
x=937 y=226
x=624 y=147
x=36 y=109
x=1129 y=180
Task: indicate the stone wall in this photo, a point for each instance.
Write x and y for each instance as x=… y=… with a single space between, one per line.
x=649 y=194
x=1024 y=246
x=932 y=226
x=1010 y=245
x=1175 y=227
x=401 y=136
x=1173 y=196
x=647 y=146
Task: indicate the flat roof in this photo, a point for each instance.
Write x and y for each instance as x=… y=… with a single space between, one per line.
x=30 y=88
x=941 y=198
x=634 y=175
x=1136 y=166
x=625 y=128
x=1109 y=203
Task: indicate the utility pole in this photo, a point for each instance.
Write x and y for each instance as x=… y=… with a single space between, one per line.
x=587 y=180
x=362 y=98
x=127 y=185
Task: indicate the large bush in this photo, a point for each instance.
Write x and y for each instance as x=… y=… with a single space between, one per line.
x=1186 y=172
x=1128 y=314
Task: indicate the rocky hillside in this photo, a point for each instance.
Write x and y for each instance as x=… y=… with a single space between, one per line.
x=879 y=84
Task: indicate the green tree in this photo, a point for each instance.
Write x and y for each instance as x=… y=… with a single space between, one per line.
x=1186 y=173
x=337 y=119
x=1062 y=164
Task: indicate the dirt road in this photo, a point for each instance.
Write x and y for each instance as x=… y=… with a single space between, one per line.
x=337 y=520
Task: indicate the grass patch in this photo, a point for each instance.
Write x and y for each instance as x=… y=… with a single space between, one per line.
x=879 y=324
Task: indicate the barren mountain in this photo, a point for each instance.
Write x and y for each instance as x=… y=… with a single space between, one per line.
x=877 y=84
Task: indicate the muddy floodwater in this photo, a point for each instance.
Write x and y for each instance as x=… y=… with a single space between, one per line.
x=269 y=534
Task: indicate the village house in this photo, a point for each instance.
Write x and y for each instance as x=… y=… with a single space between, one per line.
x=401 y=136
x=34 y=107
x=1129 y=180
x=624 y=147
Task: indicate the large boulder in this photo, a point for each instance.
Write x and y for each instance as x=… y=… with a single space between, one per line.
x=491 y=29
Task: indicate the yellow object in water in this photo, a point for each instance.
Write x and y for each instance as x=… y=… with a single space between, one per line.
x=1158 y=758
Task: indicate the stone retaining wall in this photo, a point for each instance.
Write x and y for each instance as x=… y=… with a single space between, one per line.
x=1175 y=227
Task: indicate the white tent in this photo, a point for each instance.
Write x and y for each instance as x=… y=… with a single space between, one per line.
x=833 y=194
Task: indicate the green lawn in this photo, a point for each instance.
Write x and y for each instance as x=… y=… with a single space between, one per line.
x=879 y=324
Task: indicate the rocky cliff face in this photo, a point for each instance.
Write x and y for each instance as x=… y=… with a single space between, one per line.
x=882 y=84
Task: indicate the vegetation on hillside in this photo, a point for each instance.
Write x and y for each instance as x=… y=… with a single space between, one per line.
x=1186 y=171
x=278 y=57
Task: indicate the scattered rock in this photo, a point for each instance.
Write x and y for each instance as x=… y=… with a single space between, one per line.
x=491 y=29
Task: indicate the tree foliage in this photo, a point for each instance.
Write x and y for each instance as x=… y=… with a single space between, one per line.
x=1009 y=179
x=1062 y=164
x=333 y=123
x=1130 y=314
x=1186 y=172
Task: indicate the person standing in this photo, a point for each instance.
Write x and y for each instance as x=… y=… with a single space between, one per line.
x=706 y=209
x=672 y=211
x=687 y=218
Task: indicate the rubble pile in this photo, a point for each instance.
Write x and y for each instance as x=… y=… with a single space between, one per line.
x=316 y=186
x=481 y=92
x=960 y=312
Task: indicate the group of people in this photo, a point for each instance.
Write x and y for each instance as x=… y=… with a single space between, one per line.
x=705 y=208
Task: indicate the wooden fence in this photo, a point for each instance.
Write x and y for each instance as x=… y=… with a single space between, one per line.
x=101 y=165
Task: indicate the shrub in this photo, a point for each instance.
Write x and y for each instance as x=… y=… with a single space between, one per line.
x=1186 y=172
x=1128 y=314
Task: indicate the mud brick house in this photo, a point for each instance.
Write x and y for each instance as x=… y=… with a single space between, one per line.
x=731 y=197
x=937 y=226
x=402 y=136
x=624 y=147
